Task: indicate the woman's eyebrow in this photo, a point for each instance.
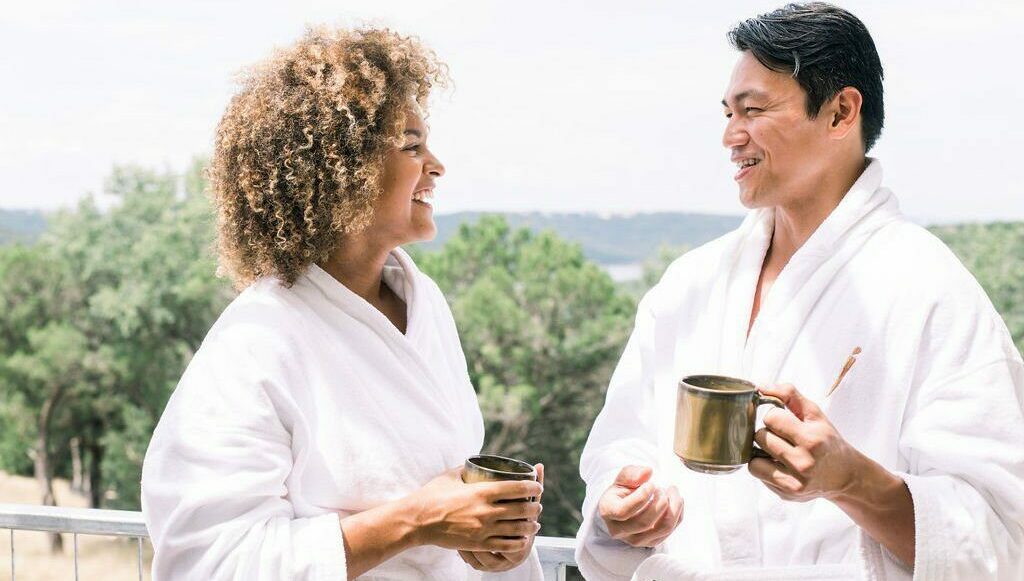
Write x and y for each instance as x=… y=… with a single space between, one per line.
x=414 y=132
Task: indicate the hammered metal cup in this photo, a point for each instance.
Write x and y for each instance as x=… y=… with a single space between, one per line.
x=489 y=468
x=715 y=422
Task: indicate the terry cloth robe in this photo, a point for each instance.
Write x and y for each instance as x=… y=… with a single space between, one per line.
x=304 y=405
x=935 y=397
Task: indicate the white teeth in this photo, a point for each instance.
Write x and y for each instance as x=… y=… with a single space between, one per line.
x=423 y=195
x=748 y=162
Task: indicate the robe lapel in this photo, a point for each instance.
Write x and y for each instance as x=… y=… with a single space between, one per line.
x=422 y=381
x=864 y=209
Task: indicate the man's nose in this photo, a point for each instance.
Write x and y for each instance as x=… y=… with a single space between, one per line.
x=735 y=134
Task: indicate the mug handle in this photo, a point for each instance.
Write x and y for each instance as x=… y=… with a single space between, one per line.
x=760 y=400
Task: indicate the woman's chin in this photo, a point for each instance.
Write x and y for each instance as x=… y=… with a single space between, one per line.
x=425 y=232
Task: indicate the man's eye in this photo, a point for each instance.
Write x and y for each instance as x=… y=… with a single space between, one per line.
x=754 y=109
x=728 y=115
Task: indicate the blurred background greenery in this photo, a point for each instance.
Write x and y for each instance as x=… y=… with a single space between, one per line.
x=102 y=310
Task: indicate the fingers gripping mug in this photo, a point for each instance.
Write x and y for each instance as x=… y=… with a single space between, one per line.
x=715 y=422
x=489 y=468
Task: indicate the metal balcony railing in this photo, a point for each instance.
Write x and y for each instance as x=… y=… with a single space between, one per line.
x=555 y=553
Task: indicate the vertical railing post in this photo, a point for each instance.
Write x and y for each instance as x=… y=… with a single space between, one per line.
x=140 y=558
x=76 y=556
x=12 y=554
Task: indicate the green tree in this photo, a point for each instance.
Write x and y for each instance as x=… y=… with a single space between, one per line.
x=542 y=329
x=102 y=316
x=994 y=253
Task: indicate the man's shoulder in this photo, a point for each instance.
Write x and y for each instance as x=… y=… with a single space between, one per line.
x=694 y=270
x=924 y=260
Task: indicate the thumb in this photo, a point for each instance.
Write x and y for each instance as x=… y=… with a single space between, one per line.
x=795 y=401
x=633 y=476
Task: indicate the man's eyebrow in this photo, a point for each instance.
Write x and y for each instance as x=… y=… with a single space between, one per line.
x=744 y=95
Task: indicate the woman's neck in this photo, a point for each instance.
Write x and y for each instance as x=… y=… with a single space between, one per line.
x=359 y=264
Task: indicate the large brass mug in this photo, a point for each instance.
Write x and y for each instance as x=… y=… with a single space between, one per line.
x=715 y=422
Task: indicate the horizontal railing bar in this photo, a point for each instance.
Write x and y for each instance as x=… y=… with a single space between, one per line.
x=59 y=519
x=126 y=523
x=556 y=550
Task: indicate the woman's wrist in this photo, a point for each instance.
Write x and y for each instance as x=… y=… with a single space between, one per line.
x=408 y=522
x=375 y=535
x=411 y=519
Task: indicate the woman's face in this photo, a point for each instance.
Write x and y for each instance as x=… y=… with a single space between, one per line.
x=403 y=213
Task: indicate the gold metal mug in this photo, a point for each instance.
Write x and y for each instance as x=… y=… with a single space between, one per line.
x=490 y=468
x=715 y=422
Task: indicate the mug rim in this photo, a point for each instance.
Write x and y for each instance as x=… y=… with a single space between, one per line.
x=684 y=383
x=515 y=461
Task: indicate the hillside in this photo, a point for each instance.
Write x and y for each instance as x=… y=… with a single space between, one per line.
x=21 y=225
x=618 y=239
x=606 y=240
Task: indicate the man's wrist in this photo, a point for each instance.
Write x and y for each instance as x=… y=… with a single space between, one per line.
x=870 y=485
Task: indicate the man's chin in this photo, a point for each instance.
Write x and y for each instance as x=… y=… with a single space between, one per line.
x=750 y=200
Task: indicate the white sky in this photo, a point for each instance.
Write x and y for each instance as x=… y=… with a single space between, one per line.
x=558 y=106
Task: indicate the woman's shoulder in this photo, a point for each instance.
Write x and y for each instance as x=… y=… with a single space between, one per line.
x=264 y=320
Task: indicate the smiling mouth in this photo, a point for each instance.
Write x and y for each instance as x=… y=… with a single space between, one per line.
x=423 y=197
x=745 y=166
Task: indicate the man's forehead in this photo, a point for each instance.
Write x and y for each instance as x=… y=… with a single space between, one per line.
x=752 y=80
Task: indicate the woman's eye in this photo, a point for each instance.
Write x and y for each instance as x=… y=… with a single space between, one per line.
x=413 y=148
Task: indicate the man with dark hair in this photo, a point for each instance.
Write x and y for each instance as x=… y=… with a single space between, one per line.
x=910 y=463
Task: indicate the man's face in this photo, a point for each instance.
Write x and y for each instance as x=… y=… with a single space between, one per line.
x=780 y=153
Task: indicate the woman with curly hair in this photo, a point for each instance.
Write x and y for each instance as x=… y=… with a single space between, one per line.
x=316 y=433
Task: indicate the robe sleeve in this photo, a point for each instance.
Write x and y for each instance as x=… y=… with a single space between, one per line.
x=213 y=484
x=963 y=443
x=623 y=434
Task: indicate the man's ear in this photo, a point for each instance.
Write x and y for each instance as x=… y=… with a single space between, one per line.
x=844 y=112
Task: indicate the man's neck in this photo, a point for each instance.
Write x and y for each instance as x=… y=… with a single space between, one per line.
x=796 y=222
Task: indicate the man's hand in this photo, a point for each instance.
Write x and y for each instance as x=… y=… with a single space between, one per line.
x=636 y=511
x=811 y=459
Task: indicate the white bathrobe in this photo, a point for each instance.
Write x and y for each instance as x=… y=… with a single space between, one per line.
x=936 y=397
x=304 y=405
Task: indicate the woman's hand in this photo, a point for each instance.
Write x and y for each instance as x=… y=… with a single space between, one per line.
x=503 y=561
x=472 y=517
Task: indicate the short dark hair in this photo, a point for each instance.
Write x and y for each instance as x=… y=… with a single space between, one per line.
x=826 y=49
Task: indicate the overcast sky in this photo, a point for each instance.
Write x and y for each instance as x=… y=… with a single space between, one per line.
x=558 y=106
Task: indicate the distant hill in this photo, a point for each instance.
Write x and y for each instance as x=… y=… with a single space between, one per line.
x=616 y=239
x=622 y=239
x=21 y=226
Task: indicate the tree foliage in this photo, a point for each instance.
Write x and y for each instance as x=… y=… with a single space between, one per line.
x=101 y=316
x=542 y=329
x=994 y=253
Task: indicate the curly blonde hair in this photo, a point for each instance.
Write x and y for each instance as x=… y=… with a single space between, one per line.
x=299 y=151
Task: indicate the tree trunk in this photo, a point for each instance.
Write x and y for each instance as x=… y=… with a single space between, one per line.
x=77 y=470
x=43 y=465
x=95 y=475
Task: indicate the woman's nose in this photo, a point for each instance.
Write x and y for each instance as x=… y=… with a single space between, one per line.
x=434 y=166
